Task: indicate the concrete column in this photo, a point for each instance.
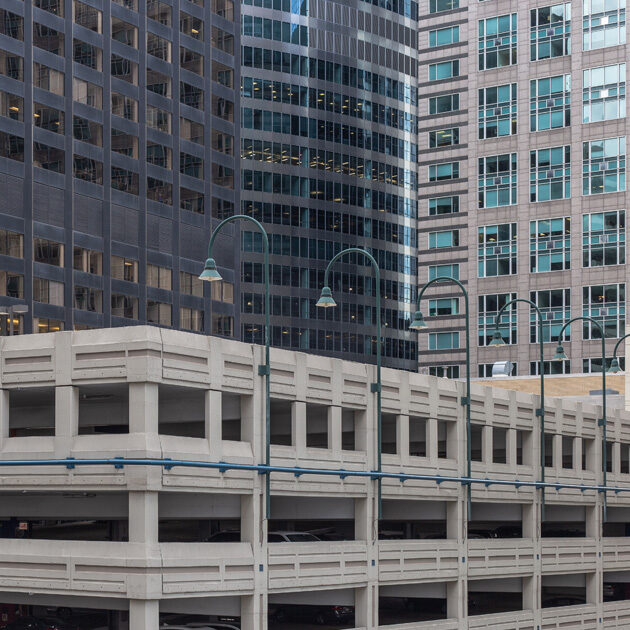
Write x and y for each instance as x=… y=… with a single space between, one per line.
x=298 y=426
x=592 y=588
x=557 y=452
x=254 y=612
x=591 y=517
x=455 y=511
x=486 y=444
x=66 y=419
x=616 y=458
x=366 y=607
x=4 y=415
x=144 y=614
x=510 y=445
x=213 y=416
x=577 y=454
x=432 y=439
x=334 y=430
x=143 y=407
x=456 y=600
x=402 y=437
x=143 y=518
x=528 y=520
x=530 y=593
x=251 y=519
x=363 y=520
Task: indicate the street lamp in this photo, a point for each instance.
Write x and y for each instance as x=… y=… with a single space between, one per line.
x=210 y=273
x=9 y=312
x=561 y=356
x=497 y=340
x=614 y=365
x=418 y=323
x=326 y=301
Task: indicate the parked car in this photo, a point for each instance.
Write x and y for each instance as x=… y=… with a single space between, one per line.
x=320 y=614
x=40 y=623
x=273 y=537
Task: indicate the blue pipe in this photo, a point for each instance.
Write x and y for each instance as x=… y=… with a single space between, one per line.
x=262 y=469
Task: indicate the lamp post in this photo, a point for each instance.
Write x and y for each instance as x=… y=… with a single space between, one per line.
x=211 y=274
x=418 y=323
x=614 y=364
x=497 y=340
x=326 y=301
x=9 y=312
x=560 y=356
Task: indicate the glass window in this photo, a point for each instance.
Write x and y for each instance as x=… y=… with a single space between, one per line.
x=497 y=179
x=88 y=17
x=191 y=165
x=489 y=307
x=550 y=244
x=48 y=252
x=124 y=106
x=124 y=143
x=444 y=271
x=159 y=313
x=159 y=155
x=158 y=47
x=87 y=55
x=124 y=306
x=443 y=306
x=87 y=131
x=48 y=291
x=48 y=39
x=191 y=61
x=604 y=238
x=555 y=305
x=11 y=25
x=124 y=180
x=12 y=66
x=222 y=108
x=604 y=93
x=443 y=205
x=222 y=74
x=443 y=138
x=159 y=277
x=222 y=142
x=159 y=191
x=497 y=42
x=124 y=269
x=604 y=166
x=444 y=371
x=444 y=104
x=191 y=200
x=190 y=25
x=191 y=319
x=604 y=23
x=158 y=83
x=497 y=250
x=11 y=244
x=444 y=36
x=223 y=8
x=443 y=70
x=49 y=158
x=497 y=111
x=48 y=118
x=191 y=95
x=56 y=7
x=550 y=32
x=159 y=11
x=88 y=170
x=87 y=93
x=448 y=238
x=222 y=40
x=606 y=304
x=88 y=299
x=48 y=79
x=436 y=6
x=550 y=103
x=440 y=172
x=159 y=119
x=124 y=32
x=443 y=341
x=124 y=69
x=190 y=284
x=87 y=260
x=550 y=174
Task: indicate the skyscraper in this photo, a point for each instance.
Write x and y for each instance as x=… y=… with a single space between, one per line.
x=329 y=161
x=522 y=134
x=118 y=132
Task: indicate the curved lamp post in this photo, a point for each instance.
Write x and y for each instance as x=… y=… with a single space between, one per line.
x=418 y=323
x=561 y=356
x=326 y=301
x=211 y=274
x=497 y=340
x=614 y=365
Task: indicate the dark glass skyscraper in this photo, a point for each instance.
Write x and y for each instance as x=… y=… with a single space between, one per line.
x=118 y=129
x=329 y=152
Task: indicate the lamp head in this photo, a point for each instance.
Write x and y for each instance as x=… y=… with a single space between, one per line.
x=210 y=273
x=614 y=366
x=20 y=308
x=497 y=340
x=326 y=299
x=560 y=354
x=418 y=323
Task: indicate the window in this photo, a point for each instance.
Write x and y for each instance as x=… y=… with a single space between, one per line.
x=159 y=155
x=497 y=180
x=11 y=147
x=159 y=313
x=443 y=70
x=48 y=79
x=46 y=325
x=159 y=119
x=444 y=104
x=12 y=284
x=191 y=200
x=550 y=103
x=87 y=169
x=484 y=370
x=190 y=130
x=48 y=118
x=594 y=365
x=555 y=306
x=443 y=138
x=604 y=93
x=191 y=95
x=190 y=284
x=191 y=165
x=87 y=55
x=87 y=17
x=489 y=306
x=497 y=42
x=87 y=131
x=87 y=260
x=11 y=244
x=497 y=111
x=124 y=269
x=603 y=24
x=158 y=83
x=607 y=305
x=88 y=299
x=550 y=244
x=444 y=36
x=604 y=238
x=550 y=367
x=222 y=325
x=224 y=75
x=222 y=40
x=222 y=142
x=604 y=166
x=191 y=61
x=443 y=341
x=87 y=93
x=222 y=292
x=448 y=238
x=124 y=69
x=48 y=158
x=436 y=6
x=124 y=180
x=444 y=371
x=159 y=11
x=443 y=205
x=12 y=66
x=56 y=7
x=124 y=106
x=497 y=250
x=222 y=175
x=124 y=32
x=48 y=39
x=443 y=306
x=444 y=271
x=190 y=25
x=440 y=172
x=550 y=32
x=124 y=143
x=159 y=191
x=48 y=252
x=158 y=47
x=550 y=174
x=191 y=319
x=223 y=8
x=159 y=277
x=124 y=306
x=11 y=25
x=222 y=108
x=48 y=291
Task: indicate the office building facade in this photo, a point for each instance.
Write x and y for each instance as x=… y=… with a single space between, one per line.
x=119 y=130
x=522 y=178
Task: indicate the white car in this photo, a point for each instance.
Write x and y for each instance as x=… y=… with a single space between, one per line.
x=302 y=537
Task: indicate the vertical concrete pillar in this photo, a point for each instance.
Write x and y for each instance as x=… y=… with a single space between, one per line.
x=592 y=588
x=432 y=439
x=402 y=437
x=528 y=520
x=592 y=521
x=616 y=458
x=455 y=511
x=4 y=415
x=143 y=407
x=144 y=614
x=298 y=426
x=456 y=600
x=510 y=447
x=577 y=454
x=557 y=452
x=366 y=607
x=530 y=593
x=143 y=517
x=66 y=419
x=486 y=444
x=213 y=412
x=334 y=430
x=363 y=523
x=254 y=612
